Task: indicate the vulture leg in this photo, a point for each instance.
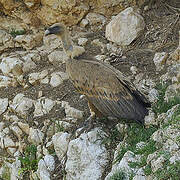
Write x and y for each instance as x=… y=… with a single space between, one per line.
x=89 y=123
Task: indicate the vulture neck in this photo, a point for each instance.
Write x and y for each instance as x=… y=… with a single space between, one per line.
x=67 y=44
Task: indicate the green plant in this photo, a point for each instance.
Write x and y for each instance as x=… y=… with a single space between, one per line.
x=147 y=170
x=169 y=171
x=15 y=33
x=137 y=133
x=59 y=127
x=161 y=106
x=29 y=161
x=112 y=138
x=119 y=175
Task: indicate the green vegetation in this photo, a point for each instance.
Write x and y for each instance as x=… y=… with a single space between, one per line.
x=161 y=105
x=59 y=127
x=29 y=162
x=169 y=171
x=112 y=138
x=15 y=33
x=175 y=119
x=147 y=170
x=137 y=133
x=119 y=175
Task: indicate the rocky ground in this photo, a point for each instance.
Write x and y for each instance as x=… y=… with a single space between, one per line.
x=39 y=107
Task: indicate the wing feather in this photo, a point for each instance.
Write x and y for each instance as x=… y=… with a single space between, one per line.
x=108 y=90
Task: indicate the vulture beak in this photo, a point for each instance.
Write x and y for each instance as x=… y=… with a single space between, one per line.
x=47 y=32
x=54 y=29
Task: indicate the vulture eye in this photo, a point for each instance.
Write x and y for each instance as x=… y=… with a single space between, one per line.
x=55 y=29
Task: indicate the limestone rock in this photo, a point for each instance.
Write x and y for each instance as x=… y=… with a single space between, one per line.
x=125 y=27
x=7 y=82
x=176 y=157
x=35 y=136
x=171 y=133
x=170 y=146
x=53 y=11
x=28 y=41
x=172 y=91
x=82 y=41
x=6 y=41
x=15 y=167
x=100 y=57
x=72 y=112
x=57 y=57
x=159 y=60
x=11 y=66
x=140 y=175
x=3 y=105
x=57 y=78
x=17 y=131
x=150 y=119
x=60 y=141
x=140 y=145
x=158 y=136
x=111 y=47
x=8 y=142
x=33 y=55
x=95 y=19
x=45 y=167
x=11 y=118
x=134 y=69
x=2 y=125
x=24 y=127
x=6 y=130
x=86 y=157
x=43 y=106
x=157 y=163
x=28 y=63
x=169 y=114
x=35 y=78
x=153 y=95
x=21 y=105
x=98 y=43
x=31 y=3
x=123 y=164
x=84 y=23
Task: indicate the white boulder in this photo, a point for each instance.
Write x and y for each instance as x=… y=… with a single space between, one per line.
x=125 y=27
x=3 y=105
x=60 y=141
x=86 y=157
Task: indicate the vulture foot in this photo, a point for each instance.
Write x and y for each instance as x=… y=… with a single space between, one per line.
x=87 y=125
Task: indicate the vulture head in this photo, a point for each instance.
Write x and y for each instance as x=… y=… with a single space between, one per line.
x=62 y=33
x=58 y=29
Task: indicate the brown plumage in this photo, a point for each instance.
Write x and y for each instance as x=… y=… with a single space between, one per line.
x=108 y=92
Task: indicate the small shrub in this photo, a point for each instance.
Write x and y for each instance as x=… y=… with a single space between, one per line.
x=112 y=138
x=137 y=133
x=169 y=171
x=119 y=175
x=147 y=170
x=15 y=33
x=29 y=162
x=161 y=106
